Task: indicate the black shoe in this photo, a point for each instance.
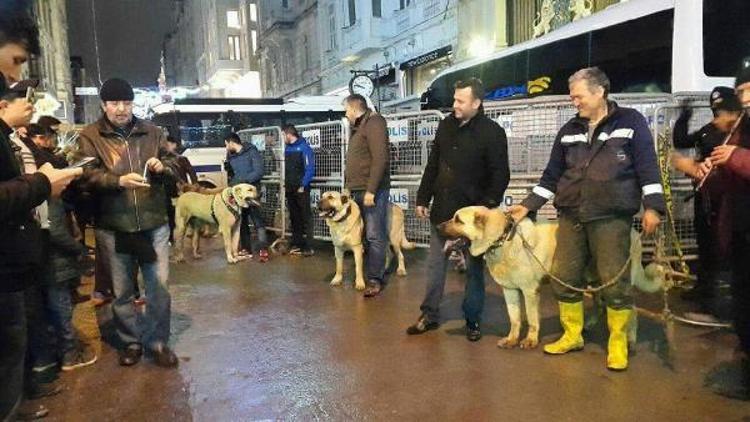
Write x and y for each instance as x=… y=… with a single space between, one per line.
x=165 y=357
x=422 y=326
x=373 y=289
x=131 y=355
x=473 y=333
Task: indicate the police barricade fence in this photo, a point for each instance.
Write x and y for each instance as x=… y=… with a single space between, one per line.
x=270 y=142
x=328 y=141
x=531 y=126
x=411 y=136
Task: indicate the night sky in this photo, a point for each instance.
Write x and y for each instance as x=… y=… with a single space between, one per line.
x=130 y=35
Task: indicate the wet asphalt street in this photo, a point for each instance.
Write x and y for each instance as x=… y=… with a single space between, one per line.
x=275 y=342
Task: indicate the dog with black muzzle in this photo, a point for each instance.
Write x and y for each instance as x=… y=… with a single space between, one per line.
x=512 y=266
x=223 y=209
x=343 y=217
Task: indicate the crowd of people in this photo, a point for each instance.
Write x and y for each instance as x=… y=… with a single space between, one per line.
x=124 y=173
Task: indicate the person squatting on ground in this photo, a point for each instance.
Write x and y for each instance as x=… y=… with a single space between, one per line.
x=601 y=168
x=299 y=171
x=467 y=165
x=131 y=220
x=367 y=177
x=244 y=164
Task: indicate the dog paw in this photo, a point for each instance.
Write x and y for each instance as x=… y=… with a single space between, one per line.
x=401 y=272
x=232 y=260
x=359 y=285
x=179 y=259
x=197 y=256
x=529 y=343
x=336 y=281
x=507 y=343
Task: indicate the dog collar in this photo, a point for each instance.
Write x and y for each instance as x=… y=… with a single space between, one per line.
x=508 y=232
x=345 y=216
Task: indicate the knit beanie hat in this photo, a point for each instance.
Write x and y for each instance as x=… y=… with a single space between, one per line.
x=116 y=89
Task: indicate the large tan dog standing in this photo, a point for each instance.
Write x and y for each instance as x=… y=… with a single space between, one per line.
x=342 y=215
x=513 y=268
x=223 y=209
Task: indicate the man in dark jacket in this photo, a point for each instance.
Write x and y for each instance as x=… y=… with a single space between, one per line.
x=367 y=176
x=183 y=174
x=726 y=109
x=131 y=220
x=468 y=165
x=299 y=168
x=734 y=229
x=602 y=167
x=246 y=164
x=19 y=195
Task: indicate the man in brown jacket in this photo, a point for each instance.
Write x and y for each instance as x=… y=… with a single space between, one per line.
x=131 y=219
x=367 y=178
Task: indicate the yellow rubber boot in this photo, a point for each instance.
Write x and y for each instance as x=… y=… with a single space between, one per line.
x=617 y=348
x=571 y=319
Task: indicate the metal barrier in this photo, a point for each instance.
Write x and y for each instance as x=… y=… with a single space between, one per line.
x=328 y=141
x=411 y=136
x=531 y=127
x=270 y=141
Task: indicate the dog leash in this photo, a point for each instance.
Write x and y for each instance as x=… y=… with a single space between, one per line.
x=508 y=234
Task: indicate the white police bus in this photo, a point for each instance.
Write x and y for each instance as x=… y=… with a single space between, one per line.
x=202 y=124
x=645 y=46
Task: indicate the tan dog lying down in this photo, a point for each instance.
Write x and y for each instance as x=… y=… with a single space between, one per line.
x=342 y=215
x=222 y=209
x=516 y=271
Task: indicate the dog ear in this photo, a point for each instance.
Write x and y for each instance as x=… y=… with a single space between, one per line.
x=480 y=219
x=237 y=190
x=344 y=198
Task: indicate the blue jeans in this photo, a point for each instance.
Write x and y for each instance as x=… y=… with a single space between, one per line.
x=12 y=351
x=376 y=233
x=60 y=307
x=157 y=315
x=437 y=263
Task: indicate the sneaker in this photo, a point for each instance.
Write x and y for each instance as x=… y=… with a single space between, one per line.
x=295 y=251
x=78 y=358
x=139 y=301
x=130 y=355
x=308 y=252
x=473 y=333
x=422 y=326
x=373 y=289
x=245 y=253
x=263 y=255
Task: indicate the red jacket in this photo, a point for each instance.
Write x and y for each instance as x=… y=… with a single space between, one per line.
x=736 y=188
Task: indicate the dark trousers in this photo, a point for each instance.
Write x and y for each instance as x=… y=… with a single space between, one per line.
x=171 y=216
x=741 y=287
x=60 y=308
x=40 y=349
x=606 y=244
x=437 y=262
x=711 y=260
x=102 y=265
x=12 y=351
x=300 y=214
x=252 y=215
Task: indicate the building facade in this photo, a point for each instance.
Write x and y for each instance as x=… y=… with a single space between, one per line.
x=289 y=48
x=214 y=47
x=52 y=67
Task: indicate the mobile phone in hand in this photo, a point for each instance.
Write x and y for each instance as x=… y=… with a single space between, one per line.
x=30 y=95
x=82 y=163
